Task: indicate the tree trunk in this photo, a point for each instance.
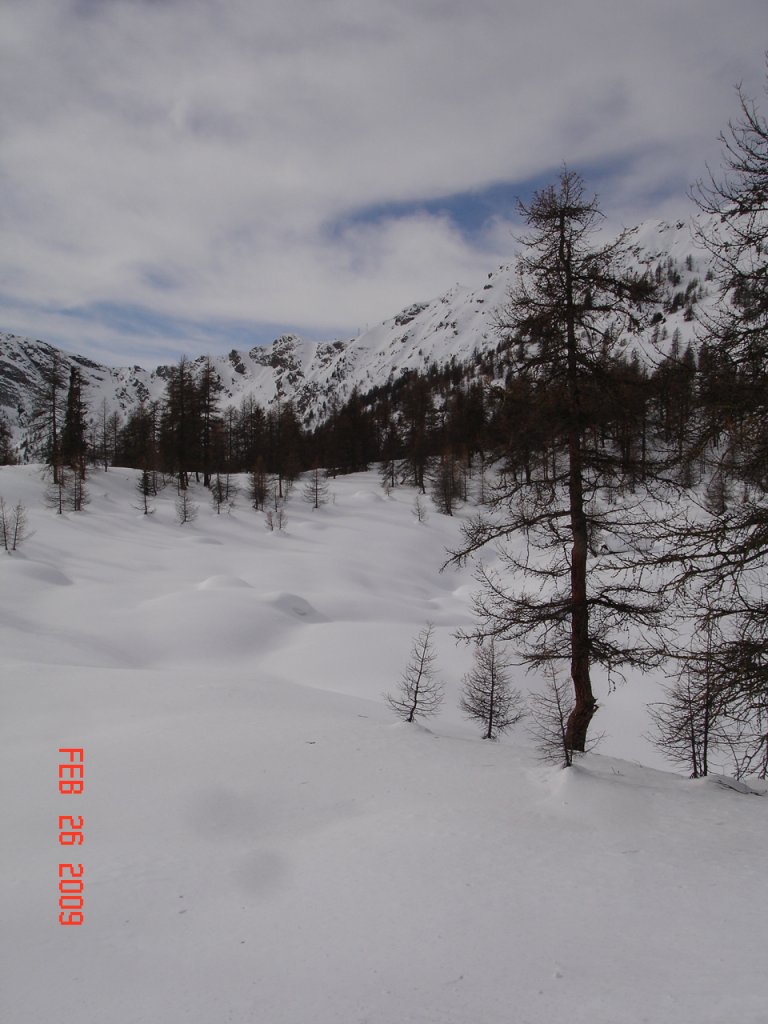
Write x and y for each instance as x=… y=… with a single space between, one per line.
x=585 y=704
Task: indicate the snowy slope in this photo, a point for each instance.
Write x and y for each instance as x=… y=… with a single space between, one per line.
x=314 y=375
x=265 y=844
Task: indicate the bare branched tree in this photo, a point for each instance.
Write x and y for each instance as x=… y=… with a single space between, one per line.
x=488 y=695
x=145 y=490
x=710 y=717
x=223 y=492
x=258 y=486
x=685 y=722
x=552 y=593
x=420 y=693
x=316 y=488
x=419 y=509
x=13 y=525
x=186 y=508
x=549 y=714
x=721 y=550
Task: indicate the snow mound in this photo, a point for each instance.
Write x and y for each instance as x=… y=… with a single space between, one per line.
x=197 y=626
x=371 y=497
x=222 y=582
x=41 y=573
x=296 y=606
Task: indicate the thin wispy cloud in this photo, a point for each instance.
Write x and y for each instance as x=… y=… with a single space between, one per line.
x=205 y=164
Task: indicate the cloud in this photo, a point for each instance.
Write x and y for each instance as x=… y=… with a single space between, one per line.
x=223 y=162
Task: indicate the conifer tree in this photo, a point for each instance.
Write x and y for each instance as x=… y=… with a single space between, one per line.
x=74 y=443
x=418 y=416
x=258 y=485
x=550 y=711
x=180 y=427
x=722 y=553
x=316 y=488
x=145 y=491
x=186 y=508
x=7 y=457
x=13 y=525
x=208 y=389
x=48 y=414
x=223 y=492
x=488 y=696
x=573 y=302
x=420 y=693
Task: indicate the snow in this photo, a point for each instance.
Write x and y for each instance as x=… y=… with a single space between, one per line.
x=314 y=375
x=265 y=843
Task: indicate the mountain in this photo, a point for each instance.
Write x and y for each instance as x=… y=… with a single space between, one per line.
x=316 y=375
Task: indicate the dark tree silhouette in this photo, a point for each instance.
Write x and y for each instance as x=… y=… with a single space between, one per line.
x=74 y=444
x=723 y=547
x=572 y=304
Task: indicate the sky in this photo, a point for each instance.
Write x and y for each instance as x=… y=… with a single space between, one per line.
x=189 y=176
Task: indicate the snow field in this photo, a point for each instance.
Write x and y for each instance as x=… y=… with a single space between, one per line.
x=265 y=843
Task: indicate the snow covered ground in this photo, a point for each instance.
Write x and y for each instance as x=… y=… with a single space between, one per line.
x=265 y=844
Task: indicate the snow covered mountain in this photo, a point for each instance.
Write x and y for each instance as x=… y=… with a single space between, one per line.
x=311 y=374
x=316 y=375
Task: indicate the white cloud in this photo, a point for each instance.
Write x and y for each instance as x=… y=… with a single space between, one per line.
x=201 y=159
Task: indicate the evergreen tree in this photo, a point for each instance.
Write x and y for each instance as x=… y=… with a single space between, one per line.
x=7 y=457
x=145 y=491
x=74 y=445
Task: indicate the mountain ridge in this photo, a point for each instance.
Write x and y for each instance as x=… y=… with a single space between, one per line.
x=318 y=376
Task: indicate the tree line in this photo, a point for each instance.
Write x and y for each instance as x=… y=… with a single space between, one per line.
x=431 y=429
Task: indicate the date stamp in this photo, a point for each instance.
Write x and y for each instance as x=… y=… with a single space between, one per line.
x=71 y=880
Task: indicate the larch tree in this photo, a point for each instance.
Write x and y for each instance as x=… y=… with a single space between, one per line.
x=488 y=696
x=550 y=711
x=13 y=525
x=74 y=443
x=554 y=596
x=723 y=548
x=180 y=425
x=49 y=413
x=209 y=387
x=7 y=457
x=420 y=692
x=316 y=488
